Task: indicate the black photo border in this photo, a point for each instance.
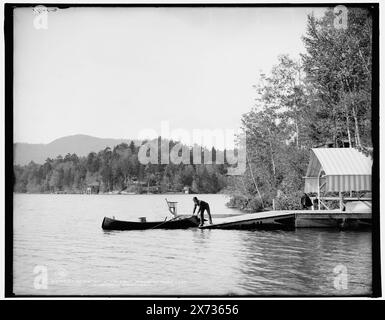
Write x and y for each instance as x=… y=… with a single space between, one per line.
x=9 y=176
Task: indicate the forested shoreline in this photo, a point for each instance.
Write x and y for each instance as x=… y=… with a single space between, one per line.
x=119 y=170
x=322 y=98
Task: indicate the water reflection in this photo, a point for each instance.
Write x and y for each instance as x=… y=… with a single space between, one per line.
x=64 y=233
x=302 y=262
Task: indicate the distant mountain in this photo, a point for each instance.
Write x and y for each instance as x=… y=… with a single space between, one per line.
x=80 y=144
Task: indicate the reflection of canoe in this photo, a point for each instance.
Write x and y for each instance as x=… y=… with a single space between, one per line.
x=178 y=223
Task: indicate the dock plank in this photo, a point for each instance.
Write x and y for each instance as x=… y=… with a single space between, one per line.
x=301 y=218
x=244 y=219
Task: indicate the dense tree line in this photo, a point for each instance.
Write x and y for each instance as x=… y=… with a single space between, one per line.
x=324 y=97
x=115 y=170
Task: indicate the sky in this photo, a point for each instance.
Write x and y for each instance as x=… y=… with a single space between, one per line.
x=116 y=72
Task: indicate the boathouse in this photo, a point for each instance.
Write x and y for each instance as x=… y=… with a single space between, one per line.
x=337 y=170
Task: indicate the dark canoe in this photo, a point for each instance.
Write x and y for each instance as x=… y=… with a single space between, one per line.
x=179 y=223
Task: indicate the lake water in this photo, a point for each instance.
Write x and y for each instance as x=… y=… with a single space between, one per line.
x=61 y=249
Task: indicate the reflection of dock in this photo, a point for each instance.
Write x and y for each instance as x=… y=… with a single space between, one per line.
x=291 y=219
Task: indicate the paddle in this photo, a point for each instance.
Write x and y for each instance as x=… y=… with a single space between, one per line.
x=164 y=222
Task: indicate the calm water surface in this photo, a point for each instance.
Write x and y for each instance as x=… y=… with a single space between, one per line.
x=62 y=234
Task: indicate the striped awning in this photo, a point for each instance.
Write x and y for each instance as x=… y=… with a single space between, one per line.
x=342 y=169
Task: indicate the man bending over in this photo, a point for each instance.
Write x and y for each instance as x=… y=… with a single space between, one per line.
x=203 y=206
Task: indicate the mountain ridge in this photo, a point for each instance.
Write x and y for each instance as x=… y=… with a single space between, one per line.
x=81 y=144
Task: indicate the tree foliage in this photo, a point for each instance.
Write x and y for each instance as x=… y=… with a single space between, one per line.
x=114 y=170
x=325 y=97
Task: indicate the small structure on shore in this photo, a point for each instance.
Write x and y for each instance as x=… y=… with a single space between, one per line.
x=187 y=190
x=93 y=188
x=332 y=170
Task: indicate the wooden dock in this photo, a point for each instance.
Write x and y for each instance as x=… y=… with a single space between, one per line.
x=291 y=219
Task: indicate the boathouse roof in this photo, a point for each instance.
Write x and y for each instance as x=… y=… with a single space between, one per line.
x=339 y=169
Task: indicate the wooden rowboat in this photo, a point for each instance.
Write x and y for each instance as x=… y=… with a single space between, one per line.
x=181 y=222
